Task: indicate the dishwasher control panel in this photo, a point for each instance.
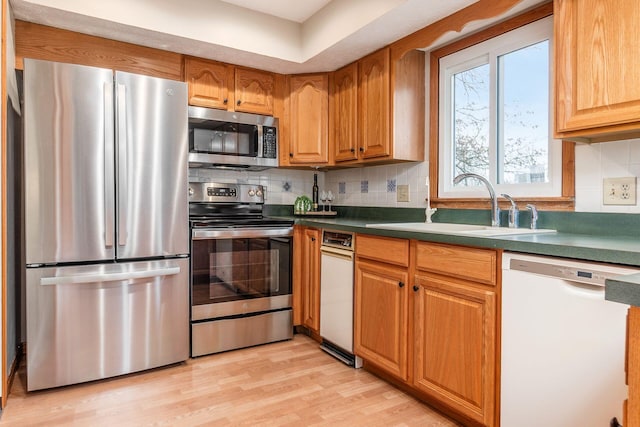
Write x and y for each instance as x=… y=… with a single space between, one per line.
x=337 y=239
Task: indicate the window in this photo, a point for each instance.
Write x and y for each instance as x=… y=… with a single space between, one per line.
x=494 y=116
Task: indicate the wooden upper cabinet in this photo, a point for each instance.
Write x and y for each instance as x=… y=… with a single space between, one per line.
x=597 y=53
x=209 y=83
x=373 y=105
x=217 y=85
x=254 y=91
x=309 y=119
x=343 y=137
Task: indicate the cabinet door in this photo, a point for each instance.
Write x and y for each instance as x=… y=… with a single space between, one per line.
x=380 y=335
x=373 y=105
x=311 y=279
x=309 y=101
x=596 y=55
x=455 y=341
x=344 y=108
x=209 y=83
x=254 y=91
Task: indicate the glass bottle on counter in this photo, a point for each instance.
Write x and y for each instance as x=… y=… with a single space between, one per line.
x=315 y=192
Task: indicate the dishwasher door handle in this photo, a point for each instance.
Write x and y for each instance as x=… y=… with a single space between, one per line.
x=336 y=253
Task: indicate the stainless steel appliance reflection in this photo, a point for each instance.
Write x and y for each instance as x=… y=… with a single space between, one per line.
x=106 y=230
x=240 y=269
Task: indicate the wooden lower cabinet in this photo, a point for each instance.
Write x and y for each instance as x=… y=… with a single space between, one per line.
x=380 y=320
x=429 y=318
x=310 y=269
x=454 y=345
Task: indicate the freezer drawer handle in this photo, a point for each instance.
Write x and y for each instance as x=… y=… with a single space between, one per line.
x=109 y=277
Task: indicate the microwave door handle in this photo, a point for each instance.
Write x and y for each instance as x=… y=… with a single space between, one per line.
x=260 y=142
x=122 y=165
x=109 y=197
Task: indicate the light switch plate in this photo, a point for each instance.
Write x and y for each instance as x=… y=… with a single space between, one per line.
x=402 y=193
x=619 y=191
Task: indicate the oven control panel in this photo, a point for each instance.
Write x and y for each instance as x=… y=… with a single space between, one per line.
x=212 y=192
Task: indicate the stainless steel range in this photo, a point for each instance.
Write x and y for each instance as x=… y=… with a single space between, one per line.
x=240 y=269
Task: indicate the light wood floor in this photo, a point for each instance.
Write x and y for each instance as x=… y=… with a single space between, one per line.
x=291 y=383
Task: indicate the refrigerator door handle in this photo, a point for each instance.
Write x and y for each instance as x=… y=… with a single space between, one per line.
x=122 y=164
x=109 y=277
x=109 y=196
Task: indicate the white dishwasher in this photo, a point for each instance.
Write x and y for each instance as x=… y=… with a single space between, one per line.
x=336 y=296
x=563 y=345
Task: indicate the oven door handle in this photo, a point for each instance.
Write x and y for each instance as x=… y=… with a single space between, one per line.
x=239 y=233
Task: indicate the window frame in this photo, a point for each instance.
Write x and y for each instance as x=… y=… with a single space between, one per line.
x=566 y=201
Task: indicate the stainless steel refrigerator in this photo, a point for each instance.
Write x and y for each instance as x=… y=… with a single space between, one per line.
x=106 y=226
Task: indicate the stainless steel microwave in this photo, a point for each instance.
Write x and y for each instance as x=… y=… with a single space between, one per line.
x=229 y=140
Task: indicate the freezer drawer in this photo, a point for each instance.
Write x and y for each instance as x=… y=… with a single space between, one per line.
x=91 y=322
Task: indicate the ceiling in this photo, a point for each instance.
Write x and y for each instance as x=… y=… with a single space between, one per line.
x=284 y=36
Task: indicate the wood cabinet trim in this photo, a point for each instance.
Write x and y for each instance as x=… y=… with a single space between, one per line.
x=54 y=44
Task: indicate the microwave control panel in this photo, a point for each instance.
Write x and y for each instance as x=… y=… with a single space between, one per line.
x=269 y=142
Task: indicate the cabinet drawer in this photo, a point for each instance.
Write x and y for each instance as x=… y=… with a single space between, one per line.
x=385 y=249
x=478 y=265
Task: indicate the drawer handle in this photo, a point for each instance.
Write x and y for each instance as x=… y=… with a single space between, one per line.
x=401 y=284
x=416 y=288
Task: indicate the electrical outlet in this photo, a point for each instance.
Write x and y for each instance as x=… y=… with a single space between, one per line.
x=402 y=193
x=619 y=191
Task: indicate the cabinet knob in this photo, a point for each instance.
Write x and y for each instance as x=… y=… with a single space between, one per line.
x=313 y=239
x=225 y=101
x=353 y=150
x=401 y=284
x=239 y=102
x=362 y=149
x=290 y=154
x=416 y=288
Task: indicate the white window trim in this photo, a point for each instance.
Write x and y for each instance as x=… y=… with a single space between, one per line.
x=476 y=55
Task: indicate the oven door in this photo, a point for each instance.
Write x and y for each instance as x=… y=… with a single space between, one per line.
x=239 y=271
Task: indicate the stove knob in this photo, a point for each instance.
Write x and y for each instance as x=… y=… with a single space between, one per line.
x=191 y=191
x=252 y=192
x=259 y=193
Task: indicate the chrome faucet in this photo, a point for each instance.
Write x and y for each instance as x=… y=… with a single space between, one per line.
x=495 y=210
x=513 y=212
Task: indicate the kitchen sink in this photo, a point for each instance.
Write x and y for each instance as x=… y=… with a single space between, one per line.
x=457 y=229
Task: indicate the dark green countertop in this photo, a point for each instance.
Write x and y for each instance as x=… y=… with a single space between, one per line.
x=610 y=238
x=624 y=289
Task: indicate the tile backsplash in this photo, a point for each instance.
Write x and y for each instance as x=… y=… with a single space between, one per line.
x=376 y=185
